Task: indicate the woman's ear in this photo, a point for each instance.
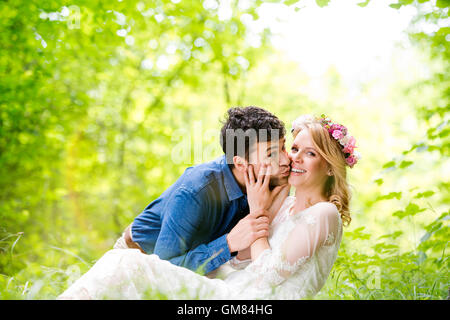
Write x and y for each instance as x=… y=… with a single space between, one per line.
x=330 y=172
x=240 y=163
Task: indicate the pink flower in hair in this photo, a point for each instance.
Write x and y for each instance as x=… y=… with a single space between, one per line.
x=351 y=160
x=337 y=134
x=340 y=134
x=351 y=144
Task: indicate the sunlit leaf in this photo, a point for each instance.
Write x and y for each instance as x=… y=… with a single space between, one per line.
x=405 y=164
x=399 y=213
x=389 y=164
x=290 y=2
x=363 y=4
x=395 y=5
x=378 y=181
x=425 y=194
x=393 y=235
x=390 y=195
x=322 y=3
x=442 y=3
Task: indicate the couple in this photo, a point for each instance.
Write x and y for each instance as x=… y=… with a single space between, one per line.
x=233 y=219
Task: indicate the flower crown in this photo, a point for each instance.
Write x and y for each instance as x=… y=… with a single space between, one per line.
x=337 y=132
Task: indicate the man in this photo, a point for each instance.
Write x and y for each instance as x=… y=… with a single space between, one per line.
x=203 y=219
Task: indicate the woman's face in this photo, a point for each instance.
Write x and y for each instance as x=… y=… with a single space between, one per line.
x=308 y=167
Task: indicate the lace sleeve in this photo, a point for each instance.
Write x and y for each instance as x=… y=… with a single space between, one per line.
x=315 y=228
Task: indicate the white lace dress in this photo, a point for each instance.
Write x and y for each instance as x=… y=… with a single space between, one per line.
x=303 y=245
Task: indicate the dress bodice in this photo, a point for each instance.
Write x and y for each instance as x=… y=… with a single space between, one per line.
x=277 y=272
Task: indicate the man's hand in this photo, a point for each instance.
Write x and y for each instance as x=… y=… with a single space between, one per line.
x=247 y=230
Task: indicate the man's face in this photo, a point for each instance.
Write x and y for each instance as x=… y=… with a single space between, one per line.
x=275 y=154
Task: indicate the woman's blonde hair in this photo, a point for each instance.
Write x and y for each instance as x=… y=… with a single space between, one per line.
x=337 y=189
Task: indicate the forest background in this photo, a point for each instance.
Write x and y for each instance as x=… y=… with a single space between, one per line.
x=104 y=104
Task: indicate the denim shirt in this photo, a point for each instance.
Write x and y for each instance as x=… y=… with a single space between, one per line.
x=188 y=224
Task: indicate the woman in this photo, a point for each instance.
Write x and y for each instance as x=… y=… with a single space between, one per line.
x=292 y=263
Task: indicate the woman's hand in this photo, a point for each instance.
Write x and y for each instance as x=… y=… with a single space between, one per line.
x=260 y=199
x=259 y=196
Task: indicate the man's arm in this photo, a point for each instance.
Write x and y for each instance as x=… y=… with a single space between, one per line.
x=181 y=226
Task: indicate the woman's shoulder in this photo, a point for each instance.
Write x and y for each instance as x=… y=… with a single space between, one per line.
x=327 y=210
x=323 y=208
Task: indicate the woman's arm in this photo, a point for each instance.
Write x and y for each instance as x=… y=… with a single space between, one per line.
x=317 y=228
x=261 y=198
x=258 y=247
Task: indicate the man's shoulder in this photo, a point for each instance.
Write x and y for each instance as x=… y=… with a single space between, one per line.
x=196 y=178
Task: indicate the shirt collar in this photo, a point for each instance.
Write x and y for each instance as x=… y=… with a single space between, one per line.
x=231 y=185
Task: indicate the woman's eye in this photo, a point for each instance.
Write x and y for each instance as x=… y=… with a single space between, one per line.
x=311 y=153
x=294 y=149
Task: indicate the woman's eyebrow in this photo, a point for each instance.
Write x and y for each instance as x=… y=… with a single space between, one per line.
x=308 y=147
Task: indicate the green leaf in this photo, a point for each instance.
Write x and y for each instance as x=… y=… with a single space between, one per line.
x=358 y=234
x=425 y=194
x=395 y=5
x=445 y=216
x=399 y=213
x=442 y=3
x=363 y=4
x=410 y=210
x=390 y=195
x=389 y=164
x=322 y=3
x=384 y=246
x=290 y=2
x=413 y=209
x=393 y=235
x=378 y=181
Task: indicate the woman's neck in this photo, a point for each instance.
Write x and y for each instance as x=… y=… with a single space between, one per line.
x=305 y=198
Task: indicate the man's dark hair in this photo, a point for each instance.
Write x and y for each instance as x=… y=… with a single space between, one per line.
x=244 y=126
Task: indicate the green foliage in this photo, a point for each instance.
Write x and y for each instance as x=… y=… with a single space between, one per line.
x=94 y=98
